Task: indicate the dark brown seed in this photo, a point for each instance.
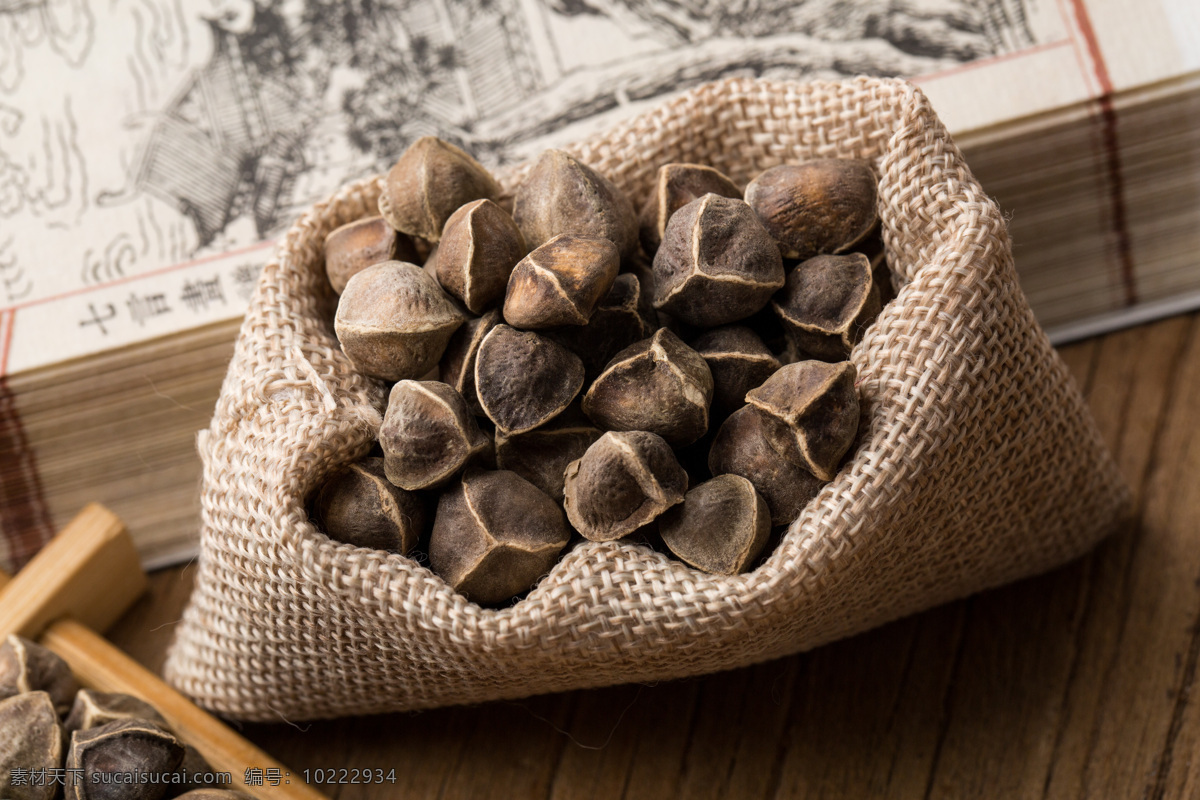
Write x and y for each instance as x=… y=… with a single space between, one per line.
x=26 y=666
x=561 y=282
x=431 y=181
x=810 y=413
x=125 y=747
x=357 y=245
x=541 y=456
x=872 y=247
x=625 y=480
x=494 y=535
x=823 y=206
x=359 y=506
x=213 y=794
x=192 y=771
x=716 y=264
x=32 y=740
x=93 y=709
x=658 y=385
x=524 y=379
x=618 y=322
x=429 y=266
x=741 y=448
x=393 y=321
x=562 y=195
x=428 y=434
x=720 y=527
x=827 y=303
x=457 y=367
x=676 y=186
x=739 y=362
x=480 y=246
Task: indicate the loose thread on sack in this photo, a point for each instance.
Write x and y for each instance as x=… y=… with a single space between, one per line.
x=571 y=737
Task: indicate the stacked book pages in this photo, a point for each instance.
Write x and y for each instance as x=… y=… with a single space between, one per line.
x=151 y=152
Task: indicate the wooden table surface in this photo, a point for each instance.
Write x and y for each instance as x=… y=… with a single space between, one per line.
x=1075 y=684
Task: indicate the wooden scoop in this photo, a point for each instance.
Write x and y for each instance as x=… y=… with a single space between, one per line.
x=87 y=577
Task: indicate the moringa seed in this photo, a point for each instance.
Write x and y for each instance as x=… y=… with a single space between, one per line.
x=623 y=481
x=717 y=264
x=428 y=434
x=358 y=505
x=431 y=181
x=822 y=206
x=810 y=413
x=561 y=282
x=524 y=379
x=494 y=535
x=563 y=195
x=720 y=527
x=827 y=303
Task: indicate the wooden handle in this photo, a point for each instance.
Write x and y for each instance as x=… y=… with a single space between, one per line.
x=100 y=666
x=93 y=554
x=89 y=572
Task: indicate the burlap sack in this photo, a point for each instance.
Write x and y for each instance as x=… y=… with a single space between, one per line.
x=977 y=461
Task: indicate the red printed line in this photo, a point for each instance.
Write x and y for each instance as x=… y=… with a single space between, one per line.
x=987 y=62
x=1112 y=154
x=1093 y=46
x=162 y=271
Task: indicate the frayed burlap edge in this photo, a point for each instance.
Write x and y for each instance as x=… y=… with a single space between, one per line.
x=977 y=462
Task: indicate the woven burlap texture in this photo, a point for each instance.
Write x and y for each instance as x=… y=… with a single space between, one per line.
x=977 y=461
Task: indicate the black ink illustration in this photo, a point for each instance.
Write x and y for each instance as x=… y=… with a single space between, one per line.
x=229 y=117
x=15 y=283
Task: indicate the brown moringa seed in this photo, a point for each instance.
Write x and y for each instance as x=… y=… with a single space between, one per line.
x=524 y=379
x=739 y=362
x=561 y=282
x=192 y=771
x=457 y=367
x=479 y=248
x=358 y=505
x=619 y=320
x=430 y=262
x=428 y=434
x=810 y=413
x=720 y=527
x=881 y=273
x=562 y=195
x=658 y=385
x=93 y=709
x=213 y=794
x=31 y=739
x=357 y=245
x=393 y=321
x=823 y=206
x=741 y=448
x=110 y=753
x=716 y=264
x=827 y=303
x=541 y=456
x=431 y=181
x=26 y=666
x=675 y=187
x=625 y=480
x=494 y=535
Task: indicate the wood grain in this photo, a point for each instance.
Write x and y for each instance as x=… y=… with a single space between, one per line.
x=1076 y=684
x=89 y=572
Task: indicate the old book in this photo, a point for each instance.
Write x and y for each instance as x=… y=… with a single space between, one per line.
x=151 y=151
